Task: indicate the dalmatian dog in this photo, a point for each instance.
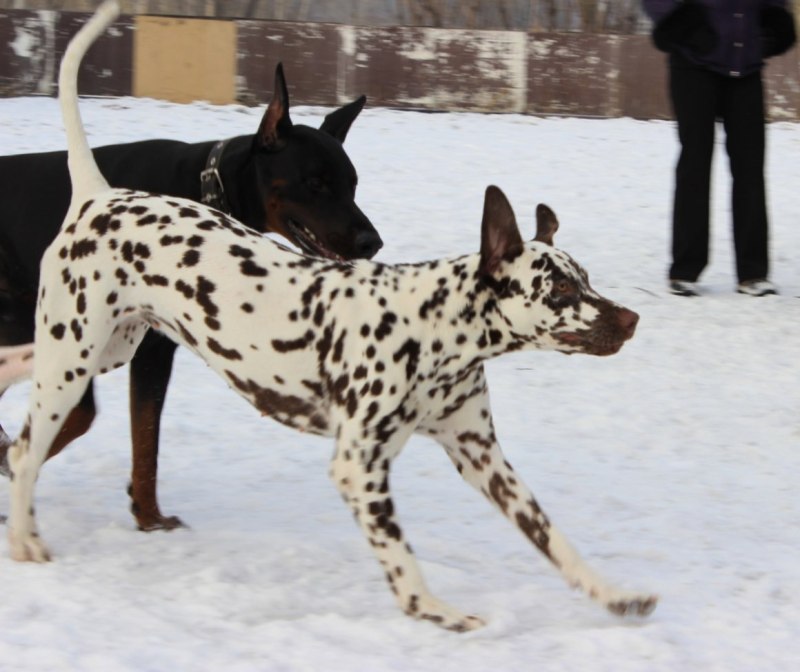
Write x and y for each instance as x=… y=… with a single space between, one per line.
x=363 y=352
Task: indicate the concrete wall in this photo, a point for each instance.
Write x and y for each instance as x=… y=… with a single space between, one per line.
x=182 y=59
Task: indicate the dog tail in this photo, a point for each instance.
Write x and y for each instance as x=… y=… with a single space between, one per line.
x=85 y=175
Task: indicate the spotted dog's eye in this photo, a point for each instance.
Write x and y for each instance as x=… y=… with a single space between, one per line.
x=565 y=292
x=564 y=288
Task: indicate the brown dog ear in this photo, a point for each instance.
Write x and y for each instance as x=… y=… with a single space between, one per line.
x=546 y=224
x=500 y=237
x=275 y=123
x=338 y=122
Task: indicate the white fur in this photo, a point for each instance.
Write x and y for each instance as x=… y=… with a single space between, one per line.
x=16 y=364
x=85 y=175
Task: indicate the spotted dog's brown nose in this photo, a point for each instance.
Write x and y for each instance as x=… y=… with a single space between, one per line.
x=627 y=321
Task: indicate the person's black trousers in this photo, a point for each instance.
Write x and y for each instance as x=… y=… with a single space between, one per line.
x=699 y=98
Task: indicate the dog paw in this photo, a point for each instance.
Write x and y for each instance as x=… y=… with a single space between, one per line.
x=28 y=549
x=166 y=523
x=435 y=611
x=635 y=605
x=466 y=624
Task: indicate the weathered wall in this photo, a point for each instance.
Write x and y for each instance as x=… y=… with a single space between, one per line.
x=618 y=16
x=539 y=72
x=184 y=59
x=32 y=43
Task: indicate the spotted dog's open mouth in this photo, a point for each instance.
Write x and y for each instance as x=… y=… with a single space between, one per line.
x=308 y=242
x=585 y=343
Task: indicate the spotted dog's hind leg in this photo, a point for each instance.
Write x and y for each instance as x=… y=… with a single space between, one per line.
x=16 y=363
x=467 y=434
x=59 y=380
x=361 y=473
x=5 y=445
x=51 y=401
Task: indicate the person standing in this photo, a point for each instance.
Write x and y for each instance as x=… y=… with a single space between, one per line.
x=716 y=53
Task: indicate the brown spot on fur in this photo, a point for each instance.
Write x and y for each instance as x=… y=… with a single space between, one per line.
x=227 y=353
x=295 y=344
x=82 y=248
x=271 y=402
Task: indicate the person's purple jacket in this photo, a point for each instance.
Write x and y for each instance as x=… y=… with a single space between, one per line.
x=731 y=37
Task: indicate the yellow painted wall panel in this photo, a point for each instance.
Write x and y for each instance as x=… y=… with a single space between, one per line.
x=182 y=60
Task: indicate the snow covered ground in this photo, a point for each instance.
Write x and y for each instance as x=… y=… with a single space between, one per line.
x=673 y=466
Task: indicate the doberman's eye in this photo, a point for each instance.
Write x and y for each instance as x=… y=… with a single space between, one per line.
x=315 y=184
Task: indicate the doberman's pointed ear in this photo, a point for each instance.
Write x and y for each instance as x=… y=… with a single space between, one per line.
x=500 y=237
x=275 y=123
x=338 y=122
x=546 y=224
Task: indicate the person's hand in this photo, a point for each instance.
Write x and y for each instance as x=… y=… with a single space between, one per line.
x=777 y=31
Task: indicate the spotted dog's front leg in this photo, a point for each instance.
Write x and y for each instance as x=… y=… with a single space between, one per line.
x=467 y=434
x=361 y=474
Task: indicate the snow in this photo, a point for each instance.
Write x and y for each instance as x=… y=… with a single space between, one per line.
x=672 y=466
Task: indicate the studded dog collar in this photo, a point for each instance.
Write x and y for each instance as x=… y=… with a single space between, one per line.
x=212 y=190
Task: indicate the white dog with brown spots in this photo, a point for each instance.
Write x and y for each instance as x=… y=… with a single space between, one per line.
x=363 y=352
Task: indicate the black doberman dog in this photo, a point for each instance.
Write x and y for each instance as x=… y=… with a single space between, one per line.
x=288 y=179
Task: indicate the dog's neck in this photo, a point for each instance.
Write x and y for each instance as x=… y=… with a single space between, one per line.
x=457 y=308
x=236 y=169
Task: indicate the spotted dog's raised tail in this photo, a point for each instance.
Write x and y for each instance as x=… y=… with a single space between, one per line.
x=84 y=174
x=16 y=362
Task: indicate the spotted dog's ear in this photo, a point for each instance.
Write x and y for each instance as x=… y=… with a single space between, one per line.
x=500 y=237
x=275 y=123
x=546 y=224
